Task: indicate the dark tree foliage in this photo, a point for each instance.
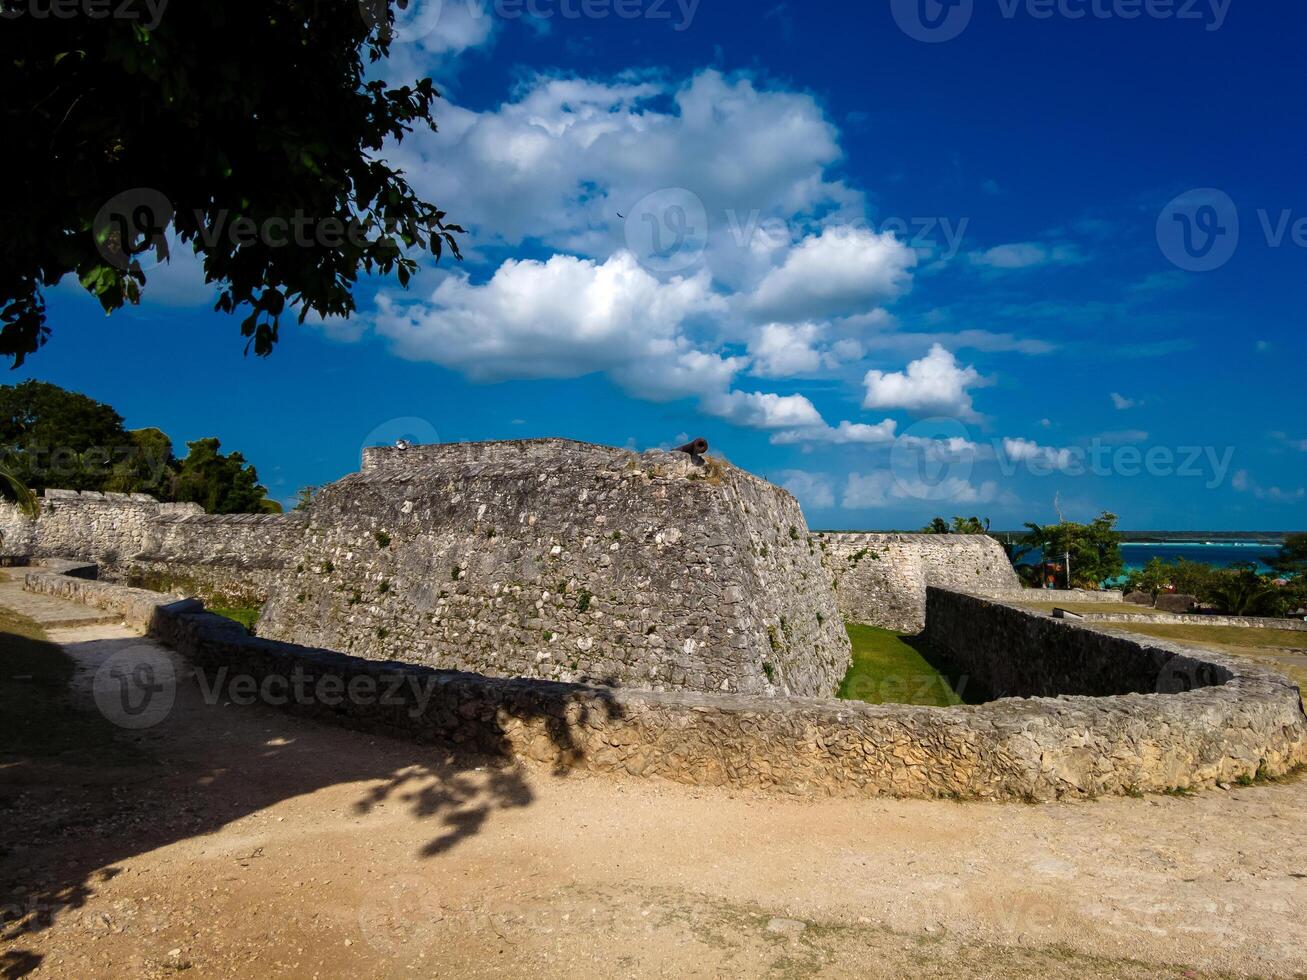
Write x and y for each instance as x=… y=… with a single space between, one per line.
x=57 y=438
x=960 y=525
x=50 y=437
x=1095 y=548
x=249 y=126
x=220 y=484
x=1292 y=559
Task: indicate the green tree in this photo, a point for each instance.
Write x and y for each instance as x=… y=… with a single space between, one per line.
x=17 y=492
x=304 y=498
x=251 y=133
x=1094 y=548
x=221 y=484
x=1292 y=558
x=57 y=438
x=149 y=468
x=1242 y=592
x=1155 y=578
x=960 y=525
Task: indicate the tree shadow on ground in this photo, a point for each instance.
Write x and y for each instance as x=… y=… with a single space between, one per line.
x=73 y=816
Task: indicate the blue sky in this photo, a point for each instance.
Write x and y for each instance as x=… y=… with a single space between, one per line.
x=1031 y=256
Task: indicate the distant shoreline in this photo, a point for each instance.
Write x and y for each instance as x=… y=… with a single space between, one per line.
x=1127 y=537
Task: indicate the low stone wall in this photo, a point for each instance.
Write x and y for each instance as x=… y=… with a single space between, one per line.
x=1055 y=595
x=136 y=539
x=881 y=579
x=1197 y=619
x=1246 y=721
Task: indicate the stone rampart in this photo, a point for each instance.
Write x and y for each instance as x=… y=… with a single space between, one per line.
x=1174 y=717
x=567 y=561
x=136 y=538
x=881 y=579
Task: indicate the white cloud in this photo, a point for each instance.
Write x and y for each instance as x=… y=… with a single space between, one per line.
x=1024 y=450
x=842 y=271
x=1027 y=255
x=846 y=433
x=781 y=350
x=559 y=162
x=810 y=489
x=762 y=410
x=565 y=318
x=933 y=385
x=1122 y=402
x=1244 y=483
x=881 y=489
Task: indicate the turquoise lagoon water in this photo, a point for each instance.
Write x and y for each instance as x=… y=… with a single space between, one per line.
x=1220 y=553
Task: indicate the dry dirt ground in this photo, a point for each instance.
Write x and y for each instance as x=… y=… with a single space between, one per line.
x=242 y=842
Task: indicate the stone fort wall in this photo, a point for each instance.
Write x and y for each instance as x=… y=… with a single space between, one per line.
x=172 y=546
x=566 y=561
x=1172 y=718
x=881 y=579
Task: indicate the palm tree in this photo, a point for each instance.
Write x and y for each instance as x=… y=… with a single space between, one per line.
x=1246 y=594
x=17 y=492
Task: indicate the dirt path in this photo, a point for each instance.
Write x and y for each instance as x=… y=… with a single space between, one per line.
x=244 y=842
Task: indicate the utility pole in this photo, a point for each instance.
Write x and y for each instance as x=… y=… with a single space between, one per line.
x=1067 y=556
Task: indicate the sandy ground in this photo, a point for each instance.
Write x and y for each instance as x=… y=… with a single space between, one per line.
x=249 y=843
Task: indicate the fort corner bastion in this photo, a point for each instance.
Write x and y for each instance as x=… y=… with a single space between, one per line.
x=566 y=561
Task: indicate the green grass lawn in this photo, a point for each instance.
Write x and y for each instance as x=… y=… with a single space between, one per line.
x=245 y=615
x=888 y=669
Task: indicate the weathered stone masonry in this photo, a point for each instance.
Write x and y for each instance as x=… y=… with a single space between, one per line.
x=1200 y=718
x=881 y=579
x=540 y=558
x=237 y=556
x=567 y=561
